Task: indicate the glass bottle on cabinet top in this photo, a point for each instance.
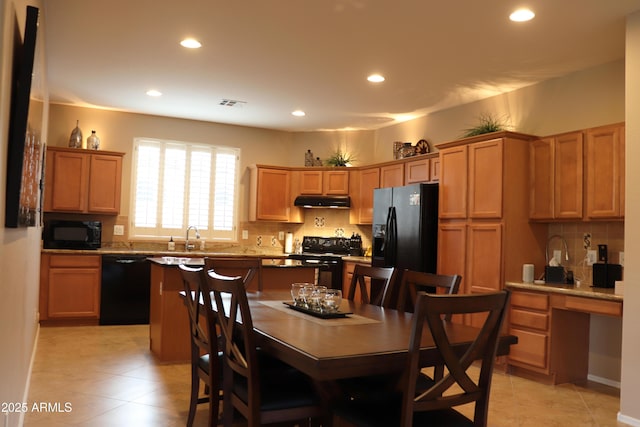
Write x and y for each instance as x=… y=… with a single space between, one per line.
x=93 y=142
x=75 y=140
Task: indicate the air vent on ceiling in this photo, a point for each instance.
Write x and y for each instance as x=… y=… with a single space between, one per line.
x=232 y=103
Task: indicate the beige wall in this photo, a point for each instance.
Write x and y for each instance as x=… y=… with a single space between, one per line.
x=629 y=408
x=580 y=100
x=19 y=248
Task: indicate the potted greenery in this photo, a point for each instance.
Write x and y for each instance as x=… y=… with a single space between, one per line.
x=487 y=123
x=339 y=159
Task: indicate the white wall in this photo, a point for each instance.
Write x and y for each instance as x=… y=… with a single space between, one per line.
x=19 y=248
x=630 y=390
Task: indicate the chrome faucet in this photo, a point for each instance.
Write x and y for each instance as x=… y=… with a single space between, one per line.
x=190 y=246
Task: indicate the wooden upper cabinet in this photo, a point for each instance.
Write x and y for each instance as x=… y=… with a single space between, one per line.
x=541 y=182
x=83 y=181
x=605 y=172
x=336 y=182
x=105 y=184
x=366 y=180
x=417 y=171
x=435 y=169
x=485 y=179
x=311 y=182
x=317 y=182
x=392 y=175
x=453 y=182
x=568 y=175
x=271 y=194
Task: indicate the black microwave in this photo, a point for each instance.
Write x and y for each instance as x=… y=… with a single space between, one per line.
x=59 y=234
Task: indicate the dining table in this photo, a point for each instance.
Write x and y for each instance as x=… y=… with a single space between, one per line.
x=369 y=340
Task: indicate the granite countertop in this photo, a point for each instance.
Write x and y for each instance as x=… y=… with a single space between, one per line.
x=360 y=259
x=199 y=261
x=579 y=291
x=158 y=253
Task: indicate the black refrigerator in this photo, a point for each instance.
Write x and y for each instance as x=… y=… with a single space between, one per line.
x=405 y=227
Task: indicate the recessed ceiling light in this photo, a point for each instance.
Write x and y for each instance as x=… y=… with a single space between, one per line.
x=298 y=113
x=153 y=92
x=190 y=43
x=375 y=78
x=522 y=15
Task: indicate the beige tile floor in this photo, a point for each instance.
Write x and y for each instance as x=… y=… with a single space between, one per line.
x=109 y=378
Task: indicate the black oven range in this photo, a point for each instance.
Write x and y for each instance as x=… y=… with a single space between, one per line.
x=326 y=254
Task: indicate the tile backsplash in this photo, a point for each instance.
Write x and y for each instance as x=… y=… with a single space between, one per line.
x=607 y=233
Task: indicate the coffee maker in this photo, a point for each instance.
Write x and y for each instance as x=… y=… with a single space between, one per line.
x=605 y=274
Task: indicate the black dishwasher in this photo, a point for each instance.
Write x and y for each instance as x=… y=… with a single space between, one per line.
x=124 y=294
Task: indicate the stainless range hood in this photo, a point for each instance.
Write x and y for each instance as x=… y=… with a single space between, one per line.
x=343 y=202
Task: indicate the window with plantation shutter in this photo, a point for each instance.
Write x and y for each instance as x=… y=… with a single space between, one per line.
x=178 y=184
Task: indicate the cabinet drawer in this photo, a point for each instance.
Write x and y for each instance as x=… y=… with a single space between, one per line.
x=589 y=305
x=529 y=319
x=79 y=261
x=531 y=348
x=530 y=300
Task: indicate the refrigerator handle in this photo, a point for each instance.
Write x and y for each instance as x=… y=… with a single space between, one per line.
x=392 y=242
x=385 y=239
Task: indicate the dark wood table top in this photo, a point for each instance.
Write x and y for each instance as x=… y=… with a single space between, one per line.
x=372 y=341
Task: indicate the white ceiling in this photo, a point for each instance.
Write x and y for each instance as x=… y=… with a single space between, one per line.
x=280 y=55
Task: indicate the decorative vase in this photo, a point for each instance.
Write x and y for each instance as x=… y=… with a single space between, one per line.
x=75 y=140
x=93 y=142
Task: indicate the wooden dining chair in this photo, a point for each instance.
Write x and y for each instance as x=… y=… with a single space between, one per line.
x=373 y=283
x=261 y=396
x=413 y=282
x=436 y=404
x=206 y=359
x=249 y=268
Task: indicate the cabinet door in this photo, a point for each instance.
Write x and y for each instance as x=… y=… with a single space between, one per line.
x=369 y=181
x=311 y=182
x=484 y=258
x=105 y=184
x=452 y=249
x=605 y=172
x=435 y=169
x=273 y=198
x=541 y=161
x=392 y=176
x=69 y=183
x=74 y=292
x=453 y=182
x=336 y=182
x=485 y=179
x=417 y=171
x=568 y=168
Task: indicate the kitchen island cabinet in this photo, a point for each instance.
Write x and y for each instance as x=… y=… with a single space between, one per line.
x=69 y=289
x=168 y=317
x=552 y=326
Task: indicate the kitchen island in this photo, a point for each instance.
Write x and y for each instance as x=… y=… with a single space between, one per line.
x=552 y=323
x=168 y=318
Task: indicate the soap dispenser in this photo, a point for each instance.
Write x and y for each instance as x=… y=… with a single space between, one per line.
x=171 y=245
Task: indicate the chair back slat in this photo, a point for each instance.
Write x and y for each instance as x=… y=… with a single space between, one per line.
x=456 y=387
x=380 y=281
x=413 y=282
x=249 y=268
x=201 y=320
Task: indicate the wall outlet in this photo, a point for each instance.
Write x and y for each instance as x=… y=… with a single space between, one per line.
x=592 y=256
x=621 y=258
x=118 y=230
x=280 y=235
x=557 y=255
x=245 y=234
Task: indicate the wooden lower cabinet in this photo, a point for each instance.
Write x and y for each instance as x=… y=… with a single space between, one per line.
x=70 y=288
x=529 y=321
